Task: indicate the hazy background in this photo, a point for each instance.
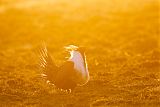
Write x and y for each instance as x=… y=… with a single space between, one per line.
x=123 y=52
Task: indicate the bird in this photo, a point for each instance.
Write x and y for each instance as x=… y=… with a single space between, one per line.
x=72 y=73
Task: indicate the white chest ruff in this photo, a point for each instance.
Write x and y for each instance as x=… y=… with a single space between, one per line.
x=80 y=67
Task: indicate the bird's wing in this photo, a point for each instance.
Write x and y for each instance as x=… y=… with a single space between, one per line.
x=47 y=65
x=64 y=79
x=67 y=68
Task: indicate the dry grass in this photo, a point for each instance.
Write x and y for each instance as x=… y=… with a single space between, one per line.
x=123 y=52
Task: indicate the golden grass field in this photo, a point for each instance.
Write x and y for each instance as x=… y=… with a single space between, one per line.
x=123 y=51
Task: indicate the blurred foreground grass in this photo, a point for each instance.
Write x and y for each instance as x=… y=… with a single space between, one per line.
x=123 y=53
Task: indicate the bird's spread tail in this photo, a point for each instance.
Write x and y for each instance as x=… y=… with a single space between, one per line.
x=46 y=64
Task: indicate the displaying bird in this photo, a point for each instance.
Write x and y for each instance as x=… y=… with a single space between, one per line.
x=73 y=72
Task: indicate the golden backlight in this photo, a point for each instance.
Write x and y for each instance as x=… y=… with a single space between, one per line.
x=122 y=43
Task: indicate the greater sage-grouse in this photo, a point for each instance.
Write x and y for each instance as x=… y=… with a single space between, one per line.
x=73 y=72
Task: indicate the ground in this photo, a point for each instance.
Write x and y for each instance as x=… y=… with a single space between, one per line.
x=123 y=52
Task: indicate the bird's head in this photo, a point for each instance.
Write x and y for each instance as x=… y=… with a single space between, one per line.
x=71 y=48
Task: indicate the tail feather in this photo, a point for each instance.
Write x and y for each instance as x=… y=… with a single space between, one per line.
x=46 y=64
